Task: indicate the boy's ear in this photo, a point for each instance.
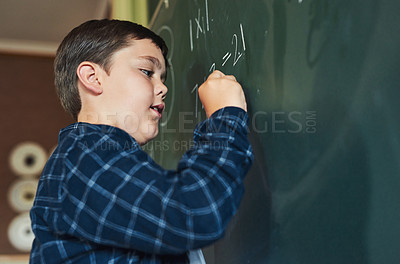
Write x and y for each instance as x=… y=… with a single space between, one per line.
x=88 y=74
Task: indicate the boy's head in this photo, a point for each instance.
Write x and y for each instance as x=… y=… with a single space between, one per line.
x=113 y=72
x=95 y=41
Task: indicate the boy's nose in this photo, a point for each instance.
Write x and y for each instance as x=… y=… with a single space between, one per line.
x=161 y=89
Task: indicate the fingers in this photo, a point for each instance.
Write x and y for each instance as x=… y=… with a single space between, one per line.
x=220 y=91
x=218 y=74
x=230 y=77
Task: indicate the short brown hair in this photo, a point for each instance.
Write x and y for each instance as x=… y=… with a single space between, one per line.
x=95 y=41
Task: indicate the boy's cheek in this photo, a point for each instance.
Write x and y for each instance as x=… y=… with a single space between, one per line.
x=129 y=122
x=142 y=129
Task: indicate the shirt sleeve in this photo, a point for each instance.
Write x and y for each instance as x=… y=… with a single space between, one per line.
x=130 y=201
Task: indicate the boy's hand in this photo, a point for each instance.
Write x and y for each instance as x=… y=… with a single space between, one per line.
x=219 y=91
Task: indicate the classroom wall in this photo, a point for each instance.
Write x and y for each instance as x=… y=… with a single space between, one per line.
x=29 y=112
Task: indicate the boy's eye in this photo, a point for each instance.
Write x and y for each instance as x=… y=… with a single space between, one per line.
x=148 y=73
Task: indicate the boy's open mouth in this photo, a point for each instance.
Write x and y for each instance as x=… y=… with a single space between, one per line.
x=158 y=108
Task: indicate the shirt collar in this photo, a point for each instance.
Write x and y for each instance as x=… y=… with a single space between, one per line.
x=81 y=128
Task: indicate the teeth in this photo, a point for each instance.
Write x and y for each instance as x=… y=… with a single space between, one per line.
x=158 y=109
x=155 y=108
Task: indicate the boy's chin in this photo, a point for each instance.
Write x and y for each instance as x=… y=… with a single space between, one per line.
x=142 y=143
x=146 y=139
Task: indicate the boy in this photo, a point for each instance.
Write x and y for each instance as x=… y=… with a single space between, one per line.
x=100 y=198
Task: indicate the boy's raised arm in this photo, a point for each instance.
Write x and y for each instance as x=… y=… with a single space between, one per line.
x=130 y=202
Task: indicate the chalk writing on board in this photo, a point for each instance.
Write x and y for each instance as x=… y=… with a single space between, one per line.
x=201 y=24
x=212 y=68
x=236 y=50
x=237 y=54
x=195 y=88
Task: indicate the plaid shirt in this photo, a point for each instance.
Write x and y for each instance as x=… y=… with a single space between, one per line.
x=102 y=199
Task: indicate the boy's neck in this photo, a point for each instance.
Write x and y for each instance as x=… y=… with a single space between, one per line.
x=94 y=117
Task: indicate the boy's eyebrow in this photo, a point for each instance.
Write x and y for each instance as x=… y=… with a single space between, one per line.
x=156 y=62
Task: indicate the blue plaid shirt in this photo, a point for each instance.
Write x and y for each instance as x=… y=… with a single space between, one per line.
x=102 y=199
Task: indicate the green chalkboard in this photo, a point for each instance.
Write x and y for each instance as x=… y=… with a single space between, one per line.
x=322 y=82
